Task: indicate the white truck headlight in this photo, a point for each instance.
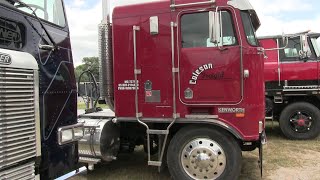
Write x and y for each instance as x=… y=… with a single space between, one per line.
x=71 y=133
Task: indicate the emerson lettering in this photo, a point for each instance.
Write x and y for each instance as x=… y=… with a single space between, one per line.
x=198 y=72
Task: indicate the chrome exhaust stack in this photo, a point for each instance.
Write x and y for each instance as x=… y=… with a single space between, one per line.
x=106 y=57
x=106 y=64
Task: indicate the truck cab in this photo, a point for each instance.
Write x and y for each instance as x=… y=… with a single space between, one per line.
x=184 y=79
x=292 y=83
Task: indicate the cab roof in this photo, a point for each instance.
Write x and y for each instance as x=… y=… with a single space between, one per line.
x=163 y=6
x=310 y=34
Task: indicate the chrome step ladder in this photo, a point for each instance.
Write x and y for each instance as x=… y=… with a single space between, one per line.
x=162 y=145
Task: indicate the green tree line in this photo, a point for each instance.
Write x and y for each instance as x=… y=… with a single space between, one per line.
x=89 y=63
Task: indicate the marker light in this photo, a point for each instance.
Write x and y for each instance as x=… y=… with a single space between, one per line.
x=71 y=133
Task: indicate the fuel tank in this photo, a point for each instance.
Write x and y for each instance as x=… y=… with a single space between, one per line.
x=101 y=139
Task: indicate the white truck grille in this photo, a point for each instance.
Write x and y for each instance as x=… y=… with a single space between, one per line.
x=17 y=116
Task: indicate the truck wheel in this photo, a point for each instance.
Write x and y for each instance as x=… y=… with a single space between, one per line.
x=300 y=121
x=203 y=153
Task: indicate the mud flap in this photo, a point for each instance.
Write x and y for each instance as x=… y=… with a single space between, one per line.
x=262 y=142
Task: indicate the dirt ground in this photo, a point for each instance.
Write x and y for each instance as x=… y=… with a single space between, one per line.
x=283 y=160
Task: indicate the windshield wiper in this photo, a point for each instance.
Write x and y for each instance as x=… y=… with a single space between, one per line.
x=45 y=47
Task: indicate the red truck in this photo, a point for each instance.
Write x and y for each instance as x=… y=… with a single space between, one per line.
x=184 y=78
x=292 y=83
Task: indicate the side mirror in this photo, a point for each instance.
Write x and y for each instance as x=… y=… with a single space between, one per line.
x=285 y=42
x=304 y=53
x=215 y=29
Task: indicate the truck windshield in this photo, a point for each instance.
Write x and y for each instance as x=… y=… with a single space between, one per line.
x=49 y=10
x=248 y=28
x=316 y=45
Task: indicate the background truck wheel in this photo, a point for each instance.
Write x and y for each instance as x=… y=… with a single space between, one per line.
x=300 y=121
x=203 y=153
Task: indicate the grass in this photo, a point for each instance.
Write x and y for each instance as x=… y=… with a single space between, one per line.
x=283 y=159
x=82 y=105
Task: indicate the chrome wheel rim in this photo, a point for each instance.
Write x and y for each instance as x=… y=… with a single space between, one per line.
x=203 y=158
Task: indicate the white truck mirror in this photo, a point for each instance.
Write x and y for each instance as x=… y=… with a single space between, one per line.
x=215 y=29
x=305 y=52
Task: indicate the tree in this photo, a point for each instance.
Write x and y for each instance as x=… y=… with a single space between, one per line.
x=89 y=63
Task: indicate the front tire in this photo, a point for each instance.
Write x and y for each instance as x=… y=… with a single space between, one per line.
x=300 y=121
x=203 y=153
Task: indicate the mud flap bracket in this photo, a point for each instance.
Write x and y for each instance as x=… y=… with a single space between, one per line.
x=263 y=141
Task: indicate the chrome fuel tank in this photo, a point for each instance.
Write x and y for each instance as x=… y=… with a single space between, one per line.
x=101 y=139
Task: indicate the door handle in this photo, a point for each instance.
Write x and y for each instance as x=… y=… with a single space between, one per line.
x=246 y=73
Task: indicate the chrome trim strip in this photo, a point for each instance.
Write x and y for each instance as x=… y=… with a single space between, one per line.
x=199 y=116
x=279 y=69
x=37 y=113
x=174 y=99
x=173 y=5
x=293 y=90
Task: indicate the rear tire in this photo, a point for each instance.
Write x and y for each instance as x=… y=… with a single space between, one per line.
x=203 y=153
x=300 y=121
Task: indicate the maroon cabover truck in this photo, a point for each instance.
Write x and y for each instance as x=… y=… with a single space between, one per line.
x=185 y=80
x=292 y=83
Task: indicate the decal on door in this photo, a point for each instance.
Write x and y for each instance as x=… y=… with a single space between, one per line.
x=198 y=72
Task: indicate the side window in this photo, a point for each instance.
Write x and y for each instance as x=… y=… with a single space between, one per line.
x=291 y=52
x=249 y=29
x=195 y=30
x=49 y=10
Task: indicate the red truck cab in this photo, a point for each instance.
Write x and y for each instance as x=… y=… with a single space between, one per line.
x=187 y=74
x=292 y=83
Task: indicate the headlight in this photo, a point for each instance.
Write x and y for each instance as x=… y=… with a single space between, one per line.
x=78 y=132
x=71 y=133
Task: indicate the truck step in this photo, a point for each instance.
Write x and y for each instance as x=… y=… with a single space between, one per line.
x=278 y=99
x=269 y=118
x=155 y=131
x=154 y=163
x=89 y=160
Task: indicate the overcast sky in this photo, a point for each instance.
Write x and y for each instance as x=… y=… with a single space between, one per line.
x=276 y=16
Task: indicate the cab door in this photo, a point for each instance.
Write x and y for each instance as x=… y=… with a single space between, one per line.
x=208 y=74
x=296 y=70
